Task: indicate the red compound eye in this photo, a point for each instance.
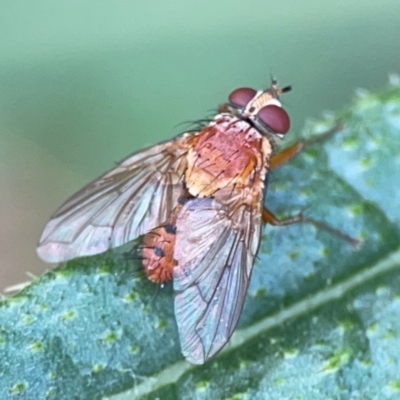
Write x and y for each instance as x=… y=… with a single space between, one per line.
x=240 y=97
x=275 y=118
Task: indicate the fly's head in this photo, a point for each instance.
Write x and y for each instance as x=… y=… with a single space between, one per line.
x=262 y=109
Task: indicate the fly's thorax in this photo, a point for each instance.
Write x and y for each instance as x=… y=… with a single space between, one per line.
x=227 y=154
x=267 y=150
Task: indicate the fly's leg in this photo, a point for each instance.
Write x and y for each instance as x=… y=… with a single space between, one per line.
x=285 y=155
x=269 y=218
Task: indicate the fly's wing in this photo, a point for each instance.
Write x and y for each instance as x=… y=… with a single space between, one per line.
x=124 y=203
x=215 y=250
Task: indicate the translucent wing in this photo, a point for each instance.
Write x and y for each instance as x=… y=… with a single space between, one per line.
x=215 y=250
x=124 y=203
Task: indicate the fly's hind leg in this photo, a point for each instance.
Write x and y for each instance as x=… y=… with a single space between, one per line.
x=269 y=218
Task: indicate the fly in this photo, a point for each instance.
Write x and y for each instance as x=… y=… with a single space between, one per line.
x=197 y=200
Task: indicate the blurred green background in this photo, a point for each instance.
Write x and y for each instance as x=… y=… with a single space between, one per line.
x=85 y=83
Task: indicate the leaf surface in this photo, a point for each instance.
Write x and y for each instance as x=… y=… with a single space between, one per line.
x=321 y=319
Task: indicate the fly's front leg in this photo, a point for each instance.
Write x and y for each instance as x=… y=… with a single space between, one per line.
x=285 y=155
x=269 y=218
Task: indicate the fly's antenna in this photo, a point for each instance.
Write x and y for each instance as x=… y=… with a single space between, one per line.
x=273 y=80
x=286 y=89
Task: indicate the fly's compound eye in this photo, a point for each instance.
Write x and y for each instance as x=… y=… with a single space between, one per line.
x=241 y=97
x=274 y=118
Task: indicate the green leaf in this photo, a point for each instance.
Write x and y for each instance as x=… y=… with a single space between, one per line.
x=321 y=319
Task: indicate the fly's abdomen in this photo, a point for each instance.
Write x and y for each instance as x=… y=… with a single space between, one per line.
x=158 y=250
